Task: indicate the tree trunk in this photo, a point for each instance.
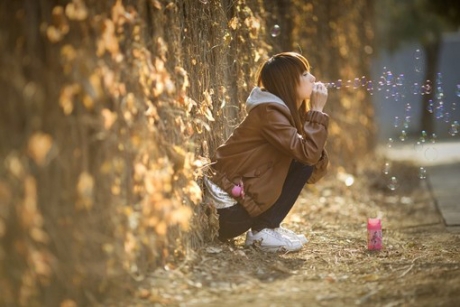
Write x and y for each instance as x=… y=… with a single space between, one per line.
x=432 y=58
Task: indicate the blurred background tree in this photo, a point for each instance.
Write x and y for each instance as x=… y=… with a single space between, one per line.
x=422 y=21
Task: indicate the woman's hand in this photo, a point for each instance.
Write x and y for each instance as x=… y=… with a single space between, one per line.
x=318 y=97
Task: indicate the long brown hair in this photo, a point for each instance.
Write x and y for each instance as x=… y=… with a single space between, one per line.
x=280 y=75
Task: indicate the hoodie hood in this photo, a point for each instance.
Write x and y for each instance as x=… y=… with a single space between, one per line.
x=259 y=96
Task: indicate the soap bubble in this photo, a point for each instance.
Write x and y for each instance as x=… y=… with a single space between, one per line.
x=439 y=78
x=390 y=142
x=276 y=30
x=458 y=90
x=431 y=153
x=418 y=146
x=356 y=83
x=446 y=117
x=381 y=83
x=428 y=87
x=370 y=87
x=430 y=106
x=434 y=137
x=389 y=78
x=363 y=81
x=439 y=93
x=339 y=84
x=393 y=183
x=422 y=89
x=418 y=62
x=423 y=136
x=439 y=112
x=403 y=136
x=422 y=172
x=396 y=122
x=453 y=131
x=416 y=88
x=394 y=92
x=400 y=80
x=407 y=121
x=387 y=93
x=408 y=107
x=386 y=168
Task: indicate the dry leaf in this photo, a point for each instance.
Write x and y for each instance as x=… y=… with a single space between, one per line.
x=109 y=118
x=108 y=41
x=234 y=23
x=59 y=27
x=118 y=13
x=194 y=192
x=181 y=217
x=38 y=147
x=213 y=249
x=76 y=10
x=208 y=114
x=85 y=190
x=68 y=92
x=254 y=26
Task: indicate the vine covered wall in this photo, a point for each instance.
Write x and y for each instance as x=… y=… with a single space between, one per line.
x=110 y=110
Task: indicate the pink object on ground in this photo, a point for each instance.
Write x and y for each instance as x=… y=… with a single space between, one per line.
x=374 y=234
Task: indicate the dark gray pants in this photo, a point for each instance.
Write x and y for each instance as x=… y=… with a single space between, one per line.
x=235 y=220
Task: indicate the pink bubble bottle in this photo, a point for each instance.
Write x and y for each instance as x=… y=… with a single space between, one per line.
x=374 y=234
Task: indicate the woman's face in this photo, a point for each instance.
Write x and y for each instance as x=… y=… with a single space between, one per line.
x=305 y=87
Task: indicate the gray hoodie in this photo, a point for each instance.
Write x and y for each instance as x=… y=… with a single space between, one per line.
x=259 y=96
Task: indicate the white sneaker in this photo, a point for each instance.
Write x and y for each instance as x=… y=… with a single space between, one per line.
x=288 y=232
x=273 y=241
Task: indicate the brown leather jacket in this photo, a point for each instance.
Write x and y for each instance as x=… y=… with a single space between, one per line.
x=260 y=150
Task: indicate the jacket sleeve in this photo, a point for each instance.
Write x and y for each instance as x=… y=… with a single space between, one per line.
x=320 y=168
x=280 y=132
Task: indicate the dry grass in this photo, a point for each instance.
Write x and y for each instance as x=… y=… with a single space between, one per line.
x=419 y=265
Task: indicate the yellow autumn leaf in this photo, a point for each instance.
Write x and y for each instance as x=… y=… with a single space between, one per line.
x=193 y=190
x=161 y=228
x=181 y=216
x=85 y=188
x=38 y=147
x=66 y=97
x=108 y=117
x=85 y=184
x=208 y=115
x=234 y=23
x=39 y=235
x=76 y=10
x=118 y=13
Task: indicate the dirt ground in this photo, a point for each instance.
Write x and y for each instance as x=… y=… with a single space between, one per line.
x=418 y=266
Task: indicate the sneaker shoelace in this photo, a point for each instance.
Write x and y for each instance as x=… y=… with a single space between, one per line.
x=286 y=231
x=292 y=234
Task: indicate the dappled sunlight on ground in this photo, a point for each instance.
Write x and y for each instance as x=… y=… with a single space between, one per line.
x=418 y=265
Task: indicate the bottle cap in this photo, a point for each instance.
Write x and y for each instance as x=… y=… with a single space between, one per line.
x=374 y=224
